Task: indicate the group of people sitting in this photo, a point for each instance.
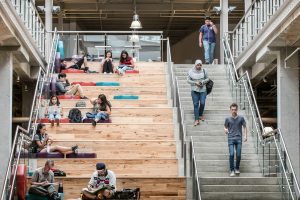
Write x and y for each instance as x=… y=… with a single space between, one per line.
x=106 y=66
x=102 y=184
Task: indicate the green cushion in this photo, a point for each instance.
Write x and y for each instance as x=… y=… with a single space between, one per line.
x=107 y=84
x=126 y=97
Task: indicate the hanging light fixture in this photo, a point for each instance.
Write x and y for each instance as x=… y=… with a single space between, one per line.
x=135 y=24
x=134 y=38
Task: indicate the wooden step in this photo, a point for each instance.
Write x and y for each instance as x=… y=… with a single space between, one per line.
x=112 y=128
x=120 y=103
x=134 y=114
x=133 y=78
x=119 y=90
x=150 y=187
x=143 y=67
x=121 y=167
x=118 y=149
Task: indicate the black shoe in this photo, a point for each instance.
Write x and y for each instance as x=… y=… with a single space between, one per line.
x=84 y=97
x=75 y=149
x=207 y=63
x=94 y=123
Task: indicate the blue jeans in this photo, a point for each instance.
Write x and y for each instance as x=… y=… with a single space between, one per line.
x=237 y=145
x=209 y=49
x=54 y=116
x=123 y=68
x=198 y=97
x=101 y=115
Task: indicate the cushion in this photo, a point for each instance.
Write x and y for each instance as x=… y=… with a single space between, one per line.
x=126 y=97
x=72 y=71
x=134 y=71
x=85 y=83
x=57 y=155
x=107 y=84
x=82 y=155
x=89 y=120
x=68 y=97
x=46 y=120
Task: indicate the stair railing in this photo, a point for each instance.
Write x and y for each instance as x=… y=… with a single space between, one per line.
x=255 y=18
x=23 y=138
x=270 y=147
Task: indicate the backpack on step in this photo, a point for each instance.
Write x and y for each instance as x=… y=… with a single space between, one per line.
x=75 y=115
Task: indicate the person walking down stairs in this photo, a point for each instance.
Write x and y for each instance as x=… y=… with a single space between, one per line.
x=197 y=78
x=233 y=128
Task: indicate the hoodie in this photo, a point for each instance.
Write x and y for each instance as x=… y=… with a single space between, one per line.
x=196 y=76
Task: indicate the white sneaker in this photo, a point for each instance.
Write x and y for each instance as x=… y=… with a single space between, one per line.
x=237 y=172
x=232 y=174
x=105 y=73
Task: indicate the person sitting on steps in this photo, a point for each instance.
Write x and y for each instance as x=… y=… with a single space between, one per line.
x=126 y=63
x=42 y=142
x=54 y=111
x=102 y=184
x=102 y=108
x=107 y=66
x=42 y=182
x=63 y=87
x=78 y=63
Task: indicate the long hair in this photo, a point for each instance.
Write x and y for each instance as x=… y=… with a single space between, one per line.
x=109 y=51
x=57 y=101
x=39 y=127
x=123 y=59
x=104 y=101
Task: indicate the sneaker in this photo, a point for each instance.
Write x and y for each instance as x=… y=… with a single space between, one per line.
x=84 y=97
x=104 y=73
x=110 y=73
x=237 y=172
x=75 y=149
x=94 y=123
x=232 y=174
x=207 y=63
x=202 y=118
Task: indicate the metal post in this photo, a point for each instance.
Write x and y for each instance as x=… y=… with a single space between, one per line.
x=223 y=26
x=48 y=26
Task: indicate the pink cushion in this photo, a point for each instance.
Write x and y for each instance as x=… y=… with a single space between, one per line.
x=68 y=96
x=72 y=71
x=46 y=120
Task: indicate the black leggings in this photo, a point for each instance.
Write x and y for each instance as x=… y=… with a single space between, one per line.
x=107 y=67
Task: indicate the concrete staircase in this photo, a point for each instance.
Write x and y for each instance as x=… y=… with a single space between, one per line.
x=211 y=147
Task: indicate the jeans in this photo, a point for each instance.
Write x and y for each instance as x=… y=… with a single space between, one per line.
x=198 y=97
x=101 y=115
x=237 y=145
x=123 y=68
x=54 y=116
x=209 y=49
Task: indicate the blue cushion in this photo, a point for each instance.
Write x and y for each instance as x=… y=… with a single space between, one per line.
x=126 y=97
x=107 y=84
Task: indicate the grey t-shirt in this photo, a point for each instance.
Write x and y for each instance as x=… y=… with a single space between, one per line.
x=234 y=126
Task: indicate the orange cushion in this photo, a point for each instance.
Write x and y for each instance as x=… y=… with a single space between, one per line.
x=72 y=71
x=68 y=97
x=85 y=83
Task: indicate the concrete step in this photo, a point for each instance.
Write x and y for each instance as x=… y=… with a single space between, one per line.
x=220 y=138
x=208 y=116
x=225 y=168
x=219 y=78
x=221 y=144
x=241 y=195
x=240 y=188
x=216 y=81
x=239 y=181
x=225 y=163
x=214 y=94
x=221 y=149
x=204 y=127
x=209 y=98
x=226 y=174
x=223 y=156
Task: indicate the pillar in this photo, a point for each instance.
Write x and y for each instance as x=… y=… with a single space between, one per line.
x=48 y=25
x=6 y=77
x=288 y=104
x=223 y=26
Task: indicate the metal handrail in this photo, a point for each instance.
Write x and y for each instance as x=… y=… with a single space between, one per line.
x=194 y=163
x=237 y=79
x=19 y=128
x=243 y=78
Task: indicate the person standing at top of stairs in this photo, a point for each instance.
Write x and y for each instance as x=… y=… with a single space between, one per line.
x=233 y=128
x=207 y=39
x=197 y=78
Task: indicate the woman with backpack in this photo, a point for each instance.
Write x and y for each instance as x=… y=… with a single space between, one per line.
x=42 y=143
x=54 y=111
x=102 y=108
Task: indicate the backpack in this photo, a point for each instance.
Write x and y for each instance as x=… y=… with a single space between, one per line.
x=127 y=194
x=33 y=147
x=80 y=104
x=75 y=115
x=209 y=85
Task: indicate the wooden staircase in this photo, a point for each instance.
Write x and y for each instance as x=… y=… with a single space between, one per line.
x=139 y=145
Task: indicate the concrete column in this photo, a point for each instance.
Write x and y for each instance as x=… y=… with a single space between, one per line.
x=60 y=22
x=48 y=24
x=6 y=77
x=247 y=4
x=288 y=105
x=223 y=26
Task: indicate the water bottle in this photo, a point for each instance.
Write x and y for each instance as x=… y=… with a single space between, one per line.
x=61 y=191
